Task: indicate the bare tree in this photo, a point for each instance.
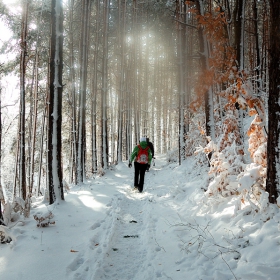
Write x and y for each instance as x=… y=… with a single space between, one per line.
x=94 y=88
x=72 y=74
x=273 y=146
x=122 y=27
x=86 y=9
x=208 y=95
x=55 y=104
x=104 y=130
x=23 y=45
x=2 y=199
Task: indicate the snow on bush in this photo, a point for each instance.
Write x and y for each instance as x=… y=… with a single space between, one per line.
x=5 y=236
x=172 y=155
x=22 y=206
x=44 y=218
x=196 y=136
x=252 y=180
x=226 y=161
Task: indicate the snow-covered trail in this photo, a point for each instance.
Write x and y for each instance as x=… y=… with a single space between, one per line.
x=130 y=235
x=125 y=250
x=128 y=242
x=104 y=230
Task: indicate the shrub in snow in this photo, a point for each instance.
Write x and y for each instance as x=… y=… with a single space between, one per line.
x=100 y=171
x=225 y=166
x=172 y=155
x=22 y=206
x=196 y=136
x=44 y=218
x=5 y=237
x=257 y=141
x=226 y=160
x=7 y=214
x=252 y=180
x=66 y=186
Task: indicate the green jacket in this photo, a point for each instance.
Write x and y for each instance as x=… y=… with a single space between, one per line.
x=135 y=151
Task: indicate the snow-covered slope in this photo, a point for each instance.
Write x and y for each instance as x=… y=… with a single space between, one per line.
x=104 y=230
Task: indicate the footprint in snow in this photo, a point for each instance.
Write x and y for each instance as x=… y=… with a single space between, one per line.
x=95 y=226
x=75 y=264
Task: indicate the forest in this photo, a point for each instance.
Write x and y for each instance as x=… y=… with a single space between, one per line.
x=198 y=77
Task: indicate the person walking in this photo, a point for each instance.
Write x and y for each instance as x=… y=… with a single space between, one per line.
x=143 y=157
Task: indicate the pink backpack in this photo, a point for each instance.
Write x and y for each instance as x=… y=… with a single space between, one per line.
x=143 y=155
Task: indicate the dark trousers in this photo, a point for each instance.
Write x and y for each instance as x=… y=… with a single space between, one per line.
x=140 y=170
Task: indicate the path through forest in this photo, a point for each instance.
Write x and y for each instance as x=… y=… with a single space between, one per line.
x=129 y=233
x=130 y=241
x=103 y=230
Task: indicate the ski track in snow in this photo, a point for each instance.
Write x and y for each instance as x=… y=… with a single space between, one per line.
x=121 y=243
x=127 y=250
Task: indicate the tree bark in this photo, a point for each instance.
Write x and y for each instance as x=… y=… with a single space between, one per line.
x=81 y=170
x=208 y=95
x=273 y=141
x=122 y=26
x=23 y=45
x=2 y=200
x=34 y=125
x=105 y=85
x=94 y=88
x=72 y=74
x=55 y=104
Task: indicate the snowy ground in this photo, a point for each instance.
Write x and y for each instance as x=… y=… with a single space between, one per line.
x=104 y=230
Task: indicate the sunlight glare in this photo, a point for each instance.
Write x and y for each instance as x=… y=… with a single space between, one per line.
x=13 y=6
x=33 y=26
x=90 y=202
x=3 y=263
x=119 y=175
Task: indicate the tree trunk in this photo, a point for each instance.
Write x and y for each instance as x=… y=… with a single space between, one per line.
x=23 y=44
x=239 y=32
x=273 y=141
x=239 y=16
x=256 y=35
x=105 y=85
x=208 y=96
x=181 y=77
x=41 y=149
x=83 y=84
x=73 y=159
x=122 y=16
x=95 y=89
x=2 y=200
x=55 y=104
x=34 y=125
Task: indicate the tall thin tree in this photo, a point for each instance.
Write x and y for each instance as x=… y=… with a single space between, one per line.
x=86 y=7
x=2 y=199
x=105 y=84
x=273 y=141
x=23 y=54
x=55 y=104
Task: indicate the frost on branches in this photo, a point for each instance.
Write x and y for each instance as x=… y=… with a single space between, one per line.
x=252 y=180
x=44 y=218
x=196 y=136
x=227 y=159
